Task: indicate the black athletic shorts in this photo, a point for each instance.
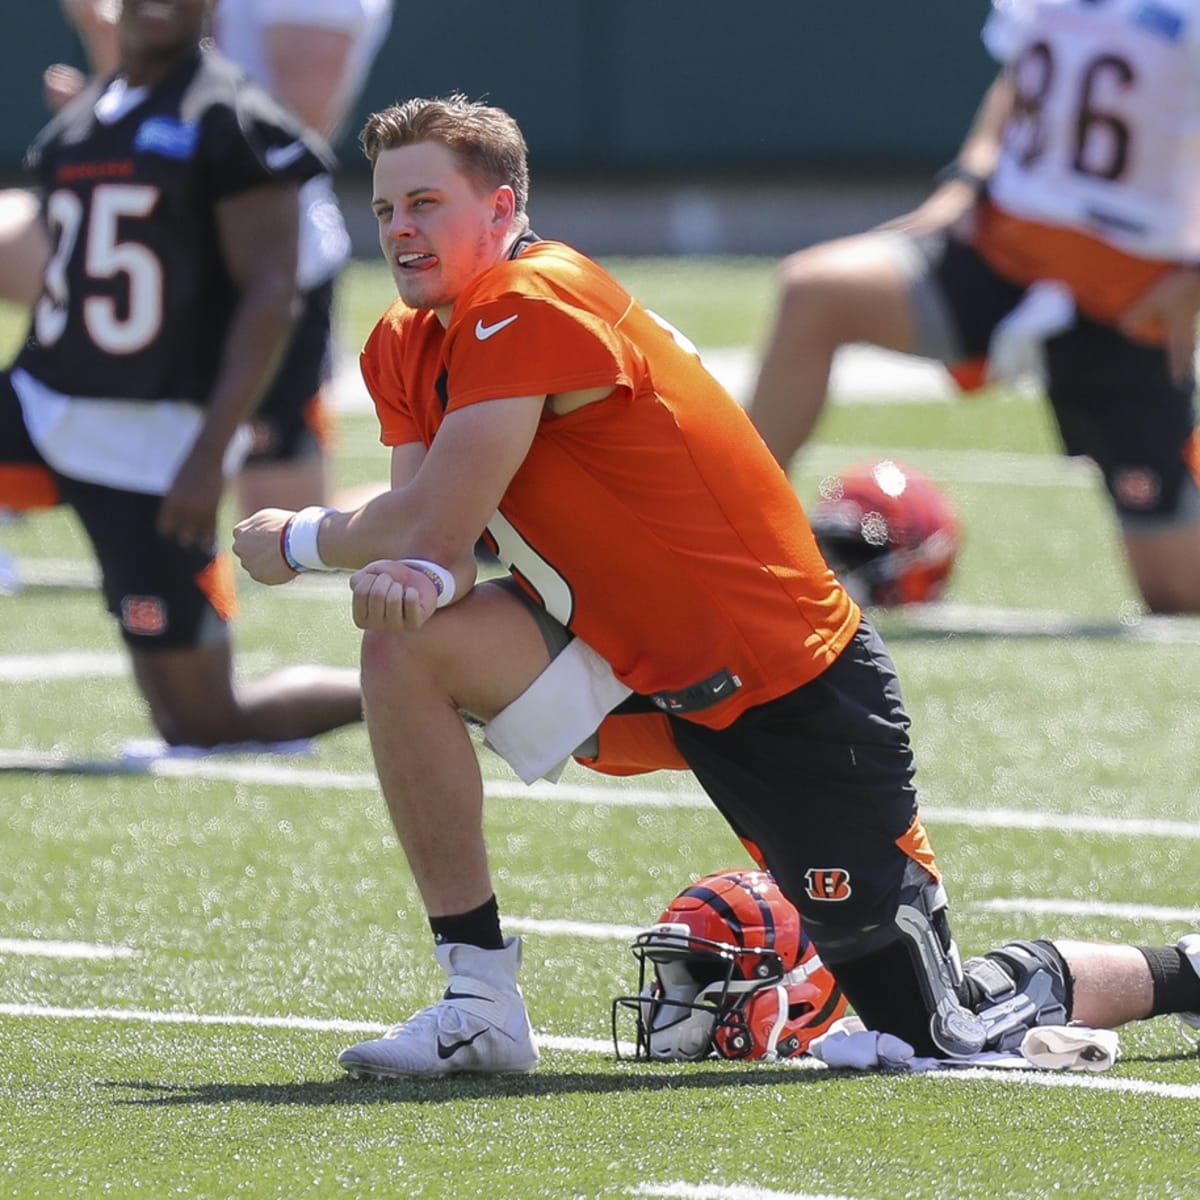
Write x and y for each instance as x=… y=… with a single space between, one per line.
x=164 y=597
x=290 y=423
x=821 y=780
x=1113 y=398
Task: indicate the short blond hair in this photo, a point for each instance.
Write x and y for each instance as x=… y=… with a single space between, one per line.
x=486 y=140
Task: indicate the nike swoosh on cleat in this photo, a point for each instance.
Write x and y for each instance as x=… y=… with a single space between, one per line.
x=483 y=332
x=448 y=1049
x=450 y=994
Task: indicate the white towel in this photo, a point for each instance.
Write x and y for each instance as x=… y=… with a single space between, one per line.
x=1071 y=1047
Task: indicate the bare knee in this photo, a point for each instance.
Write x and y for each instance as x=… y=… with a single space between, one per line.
x=854 y=290
x=807 y=283
x=388 y=660
x=1168 y=596
x=1166 y=567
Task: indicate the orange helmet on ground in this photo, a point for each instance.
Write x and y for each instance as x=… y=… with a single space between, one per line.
x=888 y=533
x=728 y=970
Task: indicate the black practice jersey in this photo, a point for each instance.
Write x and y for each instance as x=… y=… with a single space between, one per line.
x=137 y=300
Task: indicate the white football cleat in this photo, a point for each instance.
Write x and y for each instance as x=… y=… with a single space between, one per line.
x=1190 y=945
x=480 y=1024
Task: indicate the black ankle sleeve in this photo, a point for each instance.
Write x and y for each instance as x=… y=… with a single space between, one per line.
x=1176 y=985
x=479 y=927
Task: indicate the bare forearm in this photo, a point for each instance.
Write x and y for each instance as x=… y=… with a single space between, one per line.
x=307 y=67
x=981 y=147
x=96 y=21
x=257 y=337
x=394 y=525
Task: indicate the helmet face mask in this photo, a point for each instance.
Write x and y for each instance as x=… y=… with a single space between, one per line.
x=887 y=532
x=728 y=972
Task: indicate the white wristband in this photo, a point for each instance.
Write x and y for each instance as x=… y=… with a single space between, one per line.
x=442 y=579
x=299 y=542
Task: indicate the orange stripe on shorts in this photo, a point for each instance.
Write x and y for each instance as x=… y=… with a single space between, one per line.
x=27 y=487
x=915 y=843
x=217 y=583
x=1191 y=456
x=319 y=419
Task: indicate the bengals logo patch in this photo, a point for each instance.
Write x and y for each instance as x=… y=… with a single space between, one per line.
x=1137 y=487
x=827 y=883
x=144 y=615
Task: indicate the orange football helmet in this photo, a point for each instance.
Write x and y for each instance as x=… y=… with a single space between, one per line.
x=728 y=970
x=888 y=533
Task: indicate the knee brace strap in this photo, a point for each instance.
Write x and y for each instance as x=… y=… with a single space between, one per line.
x=1017 y=987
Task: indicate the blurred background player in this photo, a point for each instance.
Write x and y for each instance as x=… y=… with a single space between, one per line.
x=314 y=57
x=170 y=191
x=1068 y=231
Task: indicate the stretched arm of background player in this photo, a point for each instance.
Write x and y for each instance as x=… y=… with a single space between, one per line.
x=258 y=232
x=96 y=23
x=435 y=511
x=953 y=202
x=308 y=67
x=1172 y=306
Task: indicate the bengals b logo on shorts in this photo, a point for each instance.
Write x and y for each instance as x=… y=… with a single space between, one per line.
x=827 y=883
x=144 y=615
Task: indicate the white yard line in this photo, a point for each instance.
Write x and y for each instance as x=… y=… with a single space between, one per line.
x=66 y=664
x=610 y=931
x=277 y=774
x=711 y=1191
x=1093 y=908
x=600 y=931
x=42 y=948
x=1140 y=1087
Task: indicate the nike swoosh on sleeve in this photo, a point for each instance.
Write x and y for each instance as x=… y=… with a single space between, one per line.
x=483 y=332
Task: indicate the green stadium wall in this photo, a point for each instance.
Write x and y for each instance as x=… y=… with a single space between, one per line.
x=633 y=86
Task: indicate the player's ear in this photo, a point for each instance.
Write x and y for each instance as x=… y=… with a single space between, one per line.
x=504 y=207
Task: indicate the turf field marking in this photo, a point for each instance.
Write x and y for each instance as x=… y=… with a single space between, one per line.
x=709 y=1191
x=1136 y=1087
x=603 y=931
x=302 y=1024
x=1047 y=907
x=37 y=948
x=1092 y=908
x=1141 y=1087
x=68 y=664
x=275 y=774
x=581 y=929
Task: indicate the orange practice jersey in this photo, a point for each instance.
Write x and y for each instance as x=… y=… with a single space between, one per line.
x=654 y=524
